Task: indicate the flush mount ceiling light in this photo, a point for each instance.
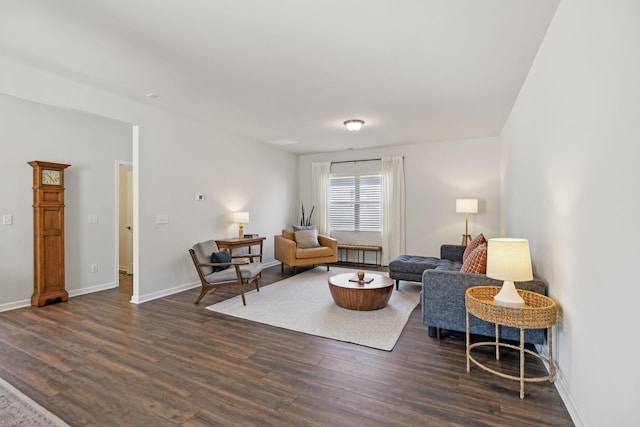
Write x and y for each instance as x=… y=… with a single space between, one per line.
x=354 y=125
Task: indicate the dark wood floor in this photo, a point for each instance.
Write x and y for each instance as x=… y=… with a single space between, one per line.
x=98 y=360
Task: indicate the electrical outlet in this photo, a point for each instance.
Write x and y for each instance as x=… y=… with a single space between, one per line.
x=7 y=219
x=94 y=268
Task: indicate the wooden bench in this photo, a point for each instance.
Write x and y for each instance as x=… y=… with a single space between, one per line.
x=344 y=248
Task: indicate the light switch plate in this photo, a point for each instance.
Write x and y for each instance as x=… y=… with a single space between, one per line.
x=7 y=219
x=162 y=219
x=93 y=219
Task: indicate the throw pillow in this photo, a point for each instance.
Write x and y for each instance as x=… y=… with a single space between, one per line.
x=303 y=227
x=476 y=262
x=306 y=239
x=477 y=241
x=222 y=256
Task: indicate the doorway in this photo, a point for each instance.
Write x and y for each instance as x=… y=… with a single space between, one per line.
x=125 y=227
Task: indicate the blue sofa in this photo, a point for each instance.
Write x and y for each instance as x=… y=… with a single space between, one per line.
x=443 y=293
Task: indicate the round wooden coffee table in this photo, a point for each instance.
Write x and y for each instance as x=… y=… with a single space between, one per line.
x=360 y=295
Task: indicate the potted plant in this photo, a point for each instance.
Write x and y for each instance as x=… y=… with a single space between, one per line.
x=306 y=221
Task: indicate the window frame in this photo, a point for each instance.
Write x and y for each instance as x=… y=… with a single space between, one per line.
x=359 y=220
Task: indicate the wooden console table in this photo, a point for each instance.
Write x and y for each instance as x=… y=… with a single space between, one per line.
x=539 y=312
x=360 y=248
x=246 y=242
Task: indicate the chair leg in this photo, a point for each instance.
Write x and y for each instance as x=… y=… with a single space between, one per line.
x=203 y=292
x=282 y=267
x=397 y=283
x=244 y=302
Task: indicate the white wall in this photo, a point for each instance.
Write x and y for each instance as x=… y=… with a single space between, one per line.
x=436 y=174
x=175 y=159
x=32 y=131
x=571 y=187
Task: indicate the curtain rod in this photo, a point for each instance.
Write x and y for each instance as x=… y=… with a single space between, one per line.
x=356 y=161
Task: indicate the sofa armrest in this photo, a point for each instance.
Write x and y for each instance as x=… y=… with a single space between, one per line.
x=452 y=252
x=284 y=250
x=328 y=242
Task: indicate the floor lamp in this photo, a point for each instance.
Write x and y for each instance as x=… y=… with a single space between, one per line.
x=466 y=206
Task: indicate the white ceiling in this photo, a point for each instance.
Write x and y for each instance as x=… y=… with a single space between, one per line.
x=414 y=70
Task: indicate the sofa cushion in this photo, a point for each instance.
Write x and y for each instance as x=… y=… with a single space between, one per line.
x=413 y=264
x=318 y=252
x=476 y=262
x=306 y=239
x=448 y=265
x=477 y=241
x=247 y=271
x=222 y=256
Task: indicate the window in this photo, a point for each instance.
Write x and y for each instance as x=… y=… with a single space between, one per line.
x=355 y=203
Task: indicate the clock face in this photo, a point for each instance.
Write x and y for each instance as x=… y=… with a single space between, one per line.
x=50 y=177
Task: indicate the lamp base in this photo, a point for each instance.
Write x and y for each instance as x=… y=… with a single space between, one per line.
x=508 y=296
x=240 y=231
x=466 y=238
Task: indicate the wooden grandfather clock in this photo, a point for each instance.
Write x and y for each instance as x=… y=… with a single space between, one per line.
x=48 y=233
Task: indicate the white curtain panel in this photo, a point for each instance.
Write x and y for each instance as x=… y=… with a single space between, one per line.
x=320 y=177
x=393 y=208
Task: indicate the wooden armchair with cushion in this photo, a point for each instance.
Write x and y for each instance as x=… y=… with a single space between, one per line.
x=305 y=247
x=227 y=270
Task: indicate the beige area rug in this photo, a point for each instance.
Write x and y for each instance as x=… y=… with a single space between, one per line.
x=303 y=303
x=16 y=409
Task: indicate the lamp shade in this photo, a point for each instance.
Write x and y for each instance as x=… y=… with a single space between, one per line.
x=509 y=259
x=241 y=217
x=466 y=205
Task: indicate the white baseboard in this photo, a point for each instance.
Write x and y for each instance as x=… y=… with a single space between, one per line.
x=180 y=288
x=561 y=385
x=15 y=304
x=72 y=293
x=163 y=293
x=91 y=289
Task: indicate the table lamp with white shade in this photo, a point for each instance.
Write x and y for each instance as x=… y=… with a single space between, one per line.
x=509 y=259
x=241 y=218
x=466 y=206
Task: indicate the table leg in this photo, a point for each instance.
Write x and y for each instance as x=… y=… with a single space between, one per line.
x=521 y=363
x=497 y=342
x=467 y=341
x=552 y=368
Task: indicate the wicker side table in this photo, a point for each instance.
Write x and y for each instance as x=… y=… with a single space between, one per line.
x=539 y=312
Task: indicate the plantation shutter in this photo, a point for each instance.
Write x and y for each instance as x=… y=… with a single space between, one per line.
x=355 y=203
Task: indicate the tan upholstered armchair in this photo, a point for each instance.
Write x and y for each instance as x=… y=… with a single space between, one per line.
x=288 y=252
